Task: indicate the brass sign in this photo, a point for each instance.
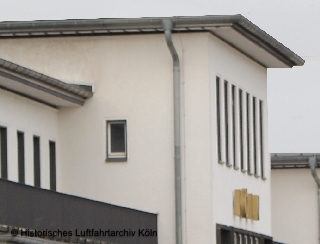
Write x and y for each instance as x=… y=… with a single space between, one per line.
x=245 y=205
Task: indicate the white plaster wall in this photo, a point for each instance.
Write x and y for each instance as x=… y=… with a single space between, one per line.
x=32 y=118
x=132 y=77
x=249 y=76
x=294 y=206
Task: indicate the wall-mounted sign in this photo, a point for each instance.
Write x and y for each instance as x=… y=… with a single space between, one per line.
x=245 y=205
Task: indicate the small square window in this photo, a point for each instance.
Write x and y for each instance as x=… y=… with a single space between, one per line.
x=116 y=141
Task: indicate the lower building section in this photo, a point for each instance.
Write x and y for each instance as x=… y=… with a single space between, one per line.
x=30 y=212
x=230 y=235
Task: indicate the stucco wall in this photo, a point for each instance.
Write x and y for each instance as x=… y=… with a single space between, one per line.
x=132 y=77
x=244 y=73
x=18 y=113
x=294 y=206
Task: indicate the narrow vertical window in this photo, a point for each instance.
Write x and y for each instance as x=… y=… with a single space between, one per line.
x=52 y=155
x=116 y=140
x=241 y=130
x=248 y=134
x=218 y=118
x=254 y=114
x=261 y=139
x=21 y=174
x=226 y=118
x=36 y=161
x=3 y=153
x=233 y=94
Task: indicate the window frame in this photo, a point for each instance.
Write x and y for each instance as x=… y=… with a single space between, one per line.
x=116 y=156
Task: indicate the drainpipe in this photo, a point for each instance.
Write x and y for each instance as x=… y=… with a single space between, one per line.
x=168 y=25
x=313 y=163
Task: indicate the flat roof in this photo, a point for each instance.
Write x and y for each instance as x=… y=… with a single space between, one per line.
x=292 y=160
x=235 y=30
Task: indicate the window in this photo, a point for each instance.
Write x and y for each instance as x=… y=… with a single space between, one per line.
x=3 y=153
x=21 y=157
x=234 y=133
x=261 y=140
x=255 y=155
x=36 y=161
x=226 y=121
x=218 y=118
x=52 y=155
x=241 y=130
x=116 y=140
x=248 y=134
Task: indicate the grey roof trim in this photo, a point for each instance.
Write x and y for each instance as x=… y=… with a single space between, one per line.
x=151 y=25
x=44 y=83
x=292 y=160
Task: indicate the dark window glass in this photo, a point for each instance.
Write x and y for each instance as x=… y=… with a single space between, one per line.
x=218 y=117
x=254 y=136
x=118 y=143
x=261 y=137
x=3 y=153
x=36 y=161
x=21 y=173
x=226 y=119
x=248 y=133
x=233 y=91
x=52 y=155
x=241 y=129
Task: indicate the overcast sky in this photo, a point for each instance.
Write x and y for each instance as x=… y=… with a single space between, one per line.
x=293 y=94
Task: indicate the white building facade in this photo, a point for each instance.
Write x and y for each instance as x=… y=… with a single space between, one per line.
x=117 y=144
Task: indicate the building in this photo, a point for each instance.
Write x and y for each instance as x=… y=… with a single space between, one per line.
x=295 y=199
x=163 y=115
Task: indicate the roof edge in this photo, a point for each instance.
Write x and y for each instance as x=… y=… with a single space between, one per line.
x=147 y=25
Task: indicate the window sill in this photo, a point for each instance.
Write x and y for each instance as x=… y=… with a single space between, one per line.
x=110 y=160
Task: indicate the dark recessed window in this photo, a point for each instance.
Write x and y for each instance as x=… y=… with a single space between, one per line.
x=116 y=140
x=21 y=175
x=36 y=161
x=254 y=124
x=261 y=139
x=218 y=118
x=52 y=155
x=248 y=133
x=3 y=153
x=241 y=129
x=234 y=134
x=226 y=118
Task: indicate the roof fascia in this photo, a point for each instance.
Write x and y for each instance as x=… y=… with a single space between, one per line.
x=152 y=25
x=43 y=83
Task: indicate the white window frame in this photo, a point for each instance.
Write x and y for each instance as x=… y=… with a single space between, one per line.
x=116 y=156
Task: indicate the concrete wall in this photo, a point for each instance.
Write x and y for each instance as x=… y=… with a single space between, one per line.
x=294 y=206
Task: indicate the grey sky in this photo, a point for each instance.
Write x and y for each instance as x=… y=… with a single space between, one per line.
x=294 y=111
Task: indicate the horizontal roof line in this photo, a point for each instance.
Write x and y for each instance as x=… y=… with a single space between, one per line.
x=147 y=25
x=292 y=160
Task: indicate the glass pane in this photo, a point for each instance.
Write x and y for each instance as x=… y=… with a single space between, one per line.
x=117 y=137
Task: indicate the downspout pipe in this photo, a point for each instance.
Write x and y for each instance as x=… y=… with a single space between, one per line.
x=313 y=163
x=168 y=25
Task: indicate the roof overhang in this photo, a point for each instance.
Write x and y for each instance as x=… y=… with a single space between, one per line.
x=293 y=160
x=236 y=30
x=40 y=87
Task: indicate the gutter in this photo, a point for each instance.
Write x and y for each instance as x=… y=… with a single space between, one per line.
x=168 y=25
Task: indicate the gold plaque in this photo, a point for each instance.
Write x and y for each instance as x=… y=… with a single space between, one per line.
x=236 y=202
x=249 y=206
x=243 y=203
x=255 y=207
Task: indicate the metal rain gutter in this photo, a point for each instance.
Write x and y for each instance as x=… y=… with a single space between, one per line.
x=168 y=25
